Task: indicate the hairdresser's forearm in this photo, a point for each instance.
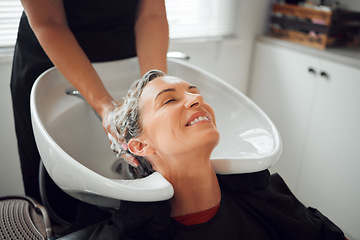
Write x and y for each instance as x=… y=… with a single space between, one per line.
x=152 y=36
x=49 y=23
x=62 y=48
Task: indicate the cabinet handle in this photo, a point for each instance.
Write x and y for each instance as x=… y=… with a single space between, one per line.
x=324 y=75
x=311 y=70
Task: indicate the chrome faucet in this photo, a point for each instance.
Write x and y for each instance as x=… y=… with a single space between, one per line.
x=178 y=55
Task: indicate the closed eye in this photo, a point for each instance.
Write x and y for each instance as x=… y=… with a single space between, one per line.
x=169 y=101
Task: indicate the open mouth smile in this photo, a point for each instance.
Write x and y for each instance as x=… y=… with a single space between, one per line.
x=198 y=117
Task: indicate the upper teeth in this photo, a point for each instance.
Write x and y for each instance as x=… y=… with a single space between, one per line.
x=199 y=119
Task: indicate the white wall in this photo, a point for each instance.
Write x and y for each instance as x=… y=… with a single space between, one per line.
x=10 y=174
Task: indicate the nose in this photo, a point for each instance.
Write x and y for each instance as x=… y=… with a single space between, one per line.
x=193 y=100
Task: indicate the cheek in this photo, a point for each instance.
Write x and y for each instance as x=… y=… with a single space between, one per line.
x=165 y=138
x=212 y=112
x=159 y=131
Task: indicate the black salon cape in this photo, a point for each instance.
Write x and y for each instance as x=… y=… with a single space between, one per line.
x=253 y=206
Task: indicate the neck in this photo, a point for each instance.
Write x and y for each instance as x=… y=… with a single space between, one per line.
x=195 y=191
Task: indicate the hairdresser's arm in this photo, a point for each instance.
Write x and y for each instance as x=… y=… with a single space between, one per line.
x=152 y=35
x=48 y=21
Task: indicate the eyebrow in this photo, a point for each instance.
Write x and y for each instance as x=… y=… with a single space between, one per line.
x=171 y=90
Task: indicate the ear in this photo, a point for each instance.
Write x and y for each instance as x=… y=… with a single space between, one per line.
x=139 y=148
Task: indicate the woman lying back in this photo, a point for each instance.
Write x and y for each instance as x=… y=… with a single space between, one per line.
x=165 y=123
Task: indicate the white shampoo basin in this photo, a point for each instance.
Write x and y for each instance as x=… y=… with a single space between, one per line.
x=77 y=155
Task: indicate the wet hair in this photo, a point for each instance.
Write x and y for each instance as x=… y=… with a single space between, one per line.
x=127 y=119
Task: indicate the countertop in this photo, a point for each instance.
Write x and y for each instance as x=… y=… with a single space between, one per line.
x=346 y=56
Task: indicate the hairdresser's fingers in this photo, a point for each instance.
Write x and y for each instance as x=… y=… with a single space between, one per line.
x=115 y=141
x=108 y=121
x=110 y=130
x=111 y=135
x=108 y=115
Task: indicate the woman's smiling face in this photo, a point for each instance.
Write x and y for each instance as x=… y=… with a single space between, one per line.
x=175 y=119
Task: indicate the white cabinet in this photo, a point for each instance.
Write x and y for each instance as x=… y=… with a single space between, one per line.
x=284 y=89
x=314 y=103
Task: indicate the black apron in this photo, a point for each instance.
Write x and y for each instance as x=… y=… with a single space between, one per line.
x=105 y=31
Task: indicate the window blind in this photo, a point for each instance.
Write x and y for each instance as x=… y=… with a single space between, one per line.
x=10 y=12
x=200 y=18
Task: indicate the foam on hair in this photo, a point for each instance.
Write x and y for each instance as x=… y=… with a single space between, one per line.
x=127 y=116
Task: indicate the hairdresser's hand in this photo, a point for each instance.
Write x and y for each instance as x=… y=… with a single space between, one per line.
x=109 y=126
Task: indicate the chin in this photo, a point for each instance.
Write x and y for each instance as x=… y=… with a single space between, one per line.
x=212 y=138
